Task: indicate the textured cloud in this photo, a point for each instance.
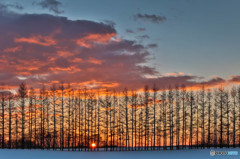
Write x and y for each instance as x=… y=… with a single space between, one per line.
x=5 y=6
x=42 y=48
x=172 y=80
x=141 y=29
x=141 y=37
x=235 y=79
x=150 y=17
x=40 y=40
x=129 y=31
x=152 y=45
x=52 y=5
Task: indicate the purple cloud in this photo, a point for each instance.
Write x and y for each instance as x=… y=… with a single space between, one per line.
x=42 y=48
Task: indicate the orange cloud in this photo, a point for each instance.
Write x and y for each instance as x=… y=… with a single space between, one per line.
x=94 y=61
x=97 y=84
x=13 y=49
x=71 y=69
x=213 y=83
x=77 y=60
x=234 y=79
x=88 y=40
x=37 y=39
x=110 y=85
x=28 y=66
x=175 y=74
x=65 y=53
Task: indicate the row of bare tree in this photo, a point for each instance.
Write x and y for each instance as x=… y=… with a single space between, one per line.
x=61 y=118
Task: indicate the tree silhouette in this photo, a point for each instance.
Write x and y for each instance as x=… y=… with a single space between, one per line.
x=66 y=118
x=23 y=95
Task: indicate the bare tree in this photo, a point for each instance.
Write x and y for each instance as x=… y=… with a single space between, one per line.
x=221 y=107
x=22 y=91
x=170 y=116
x=16 y=129
x=191 y=119
x=146 y=98
x=202 y=104
x=53 y=90
x=183 y=97
x=31 y=93
x=163 y=98
x=177 y=99
x=154 y=116
x=62 y=114
x=215 y=121
x=234 y=96
x=228 y=118
x=197 y=107
x=42 y=117
x=3 y=116
x=69 y=114
x=238 y=96
x=209 y=96
x=10 y=103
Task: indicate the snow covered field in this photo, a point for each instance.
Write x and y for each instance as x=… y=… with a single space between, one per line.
x=173 y=154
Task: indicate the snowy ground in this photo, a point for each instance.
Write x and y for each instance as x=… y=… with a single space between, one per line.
x=167 y=154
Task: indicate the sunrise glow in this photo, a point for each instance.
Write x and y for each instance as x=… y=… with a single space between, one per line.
x=93 y=145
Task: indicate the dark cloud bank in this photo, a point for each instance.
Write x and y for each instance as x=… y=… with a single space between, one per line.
x=42 y=48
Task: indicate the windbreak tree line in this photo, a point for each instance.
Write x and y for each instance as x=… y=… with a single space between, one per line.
x=63 y=118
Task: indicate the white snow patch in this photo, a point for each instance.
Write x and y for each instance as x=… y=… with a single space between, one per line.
x=162 y=154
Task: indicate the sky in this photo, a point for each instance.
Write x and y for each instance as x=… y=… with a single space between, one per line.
x=118 y=44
